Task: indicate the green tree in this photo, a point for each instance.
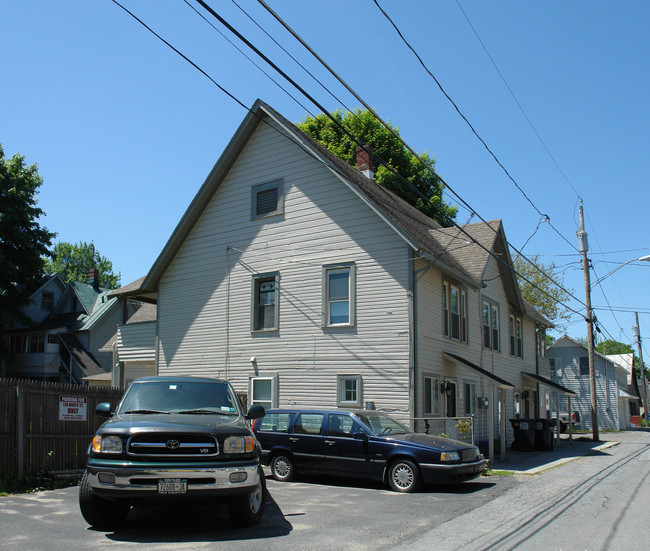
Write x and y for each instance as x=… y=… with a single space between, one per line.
x=541 y=292
x=23 y=241
x=369 y=131
x=73 y=262
x=613 y=347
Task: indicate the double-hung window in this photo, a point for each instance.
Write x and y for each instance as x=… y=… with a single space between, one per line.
x=584 y=365
x=470 y=398
x=267 y=200
x=431 y=395
x=339 y=296
x=264 y=392
x=455 y=312
x=47 y=301
x=490 y=325
x=265 y=302
x=349 y=390
x=516 y=340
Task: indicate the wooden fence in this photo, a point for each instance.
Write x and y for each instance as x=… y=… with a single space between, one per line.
x=37 y=418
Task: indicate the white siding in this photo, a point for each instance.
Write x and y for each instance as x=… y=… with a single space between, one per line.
x=204 y=306
x=136 y=342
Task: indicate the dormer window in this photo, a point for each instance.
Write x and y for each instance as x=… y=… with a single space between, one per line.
x=267 y=200
x=47 y=301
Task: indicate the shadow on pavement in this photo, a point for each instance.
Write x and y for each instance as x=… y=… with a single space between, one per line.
x=197 y=523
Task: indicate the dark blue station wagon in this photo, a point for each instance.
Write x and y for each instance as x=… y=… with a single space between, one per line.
x=364 y=444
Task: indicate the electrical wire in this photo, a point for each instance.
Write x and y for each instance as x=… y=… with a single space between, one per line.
x=408 y=45
x=313 y=101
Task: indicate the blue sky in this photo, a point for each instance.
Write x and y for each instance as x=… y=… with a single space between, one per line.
x=124 y=131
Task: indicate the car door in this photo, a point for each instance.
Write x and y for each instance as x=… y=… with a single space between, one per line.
x=306 y=441
x=344 y=454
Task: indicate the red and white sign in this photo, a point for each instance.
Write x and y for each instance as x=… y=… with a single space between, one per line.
x=73 y=408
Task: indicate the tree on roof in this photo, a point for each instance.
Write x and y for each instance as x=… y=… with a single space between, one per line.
x=23 y=241
x=541 y=292
x=73 y=262
x=362 y=124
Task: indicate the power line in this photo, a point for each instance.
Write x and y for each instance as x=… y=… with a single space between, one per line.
x=320 y=107
x=516 y=100
x=408 y=45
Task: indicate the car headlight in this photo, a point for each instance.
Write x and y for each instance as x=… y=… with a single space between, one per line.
x=238 y=444
x=449 y=456
x=107 y=444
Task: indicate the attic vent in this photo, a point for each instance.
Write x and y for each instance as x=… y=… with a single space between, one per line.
x=267 y=200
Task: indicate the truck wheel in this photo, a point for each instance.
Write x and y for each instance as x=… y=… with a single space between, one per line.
x=282 y=468
x=404 y=476
x=248 y=509
x=104 y=514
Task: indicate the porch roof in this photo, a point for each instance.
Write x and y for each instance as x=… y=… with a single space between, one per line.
x=550 y=383
x=501 y=382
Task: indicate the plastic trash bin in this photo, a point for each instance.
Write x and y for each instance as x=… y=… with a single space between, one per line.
x=544 y=434
x=524 y=430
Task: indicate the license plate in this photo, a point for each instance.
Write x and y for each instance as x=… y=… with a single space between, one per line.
x=172 y=486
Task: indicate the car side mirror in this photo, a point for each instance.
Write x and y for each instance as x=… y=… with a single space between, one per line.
x=104 y=409
x=360 y=436
x=255 y=412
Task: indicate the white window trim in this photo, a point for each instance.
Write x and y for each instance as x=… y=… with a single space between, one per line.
x=279 y=208
x=463 y=336
x=254 y=310
x=518 y=351
x=274 y=389
x=340 y=391
x=352 y=282
x=492 y=305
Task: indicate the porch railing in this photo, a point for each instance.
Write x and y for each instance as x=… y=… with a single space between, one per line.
x=457 y=428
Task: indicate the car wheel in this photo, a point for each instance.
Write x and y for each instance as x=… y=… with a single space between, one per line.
x=282 y=468
x=100 y=513
x=404 y=476
x=248 y=509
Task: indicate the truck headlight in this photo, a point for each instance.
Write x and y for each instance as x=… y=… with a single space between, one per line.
x=449 y=456
x=107 y=444
x=238 y=444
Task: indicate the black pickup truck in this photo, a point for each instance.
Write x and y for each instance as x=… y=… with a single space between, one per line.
x=173 y=439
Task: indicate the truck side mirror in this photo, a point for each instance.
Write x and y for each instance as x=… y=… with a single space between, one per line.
x=104 y=409
x=255 y=412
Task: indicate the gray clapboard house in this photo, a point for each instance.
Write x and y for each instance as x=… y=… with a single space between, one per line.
x=303 y=282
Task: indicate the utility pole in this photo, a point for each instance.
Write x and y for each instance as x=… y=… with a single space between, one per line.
x=584 y=247
x=644 y=395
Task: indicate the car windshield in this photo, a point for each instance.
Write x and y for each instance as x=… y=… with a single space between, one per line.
x=381 y=424
x=197 y=398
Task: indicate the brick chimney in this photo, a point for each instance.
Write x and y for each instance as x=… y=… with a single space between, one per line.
x=93 y=278
x=364 y=161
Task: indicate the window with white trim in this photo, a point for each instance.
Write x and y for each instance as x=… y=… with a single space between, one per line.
x=339 y=297
x=470 y=397
x=431 y=392
x=490 y=325
x=265 y=302
x=349 y=390
x=584 y=365
x=516 y=339
x=455 y=312
x=264 y=391
x=267 y=200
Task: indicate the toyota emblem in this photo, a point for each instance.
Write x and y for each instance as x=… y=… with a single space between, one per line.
x=172 y=444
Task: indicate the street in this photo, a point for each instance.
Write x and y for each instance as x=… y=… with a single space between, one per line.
x=596 y=502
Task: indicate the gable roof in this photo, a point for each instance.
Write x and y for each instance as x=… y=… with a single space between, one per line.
x=417 y=229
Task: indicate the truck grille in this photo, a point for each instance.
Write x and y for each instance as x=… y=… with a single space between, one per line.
x=172 y=445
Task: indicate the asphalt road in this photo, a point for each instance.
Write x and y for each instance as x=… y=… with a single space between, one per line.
x=309 y=514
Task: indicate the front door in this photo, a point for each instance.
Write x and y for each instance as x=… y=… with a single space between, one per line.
x=343 y=453
x=450 y=394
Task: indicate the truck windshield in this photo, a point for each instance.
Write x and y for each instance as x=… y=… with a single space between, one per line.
x=200 y=398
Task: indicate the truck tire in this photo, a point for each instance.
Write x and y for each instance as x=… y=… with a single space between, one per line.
x=248 y=509
x=100 y=513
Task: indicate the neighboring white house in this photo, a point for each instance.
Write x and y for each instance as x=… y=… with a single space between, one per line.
x=615 y=402
x=304 y=282
x=67 y=337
